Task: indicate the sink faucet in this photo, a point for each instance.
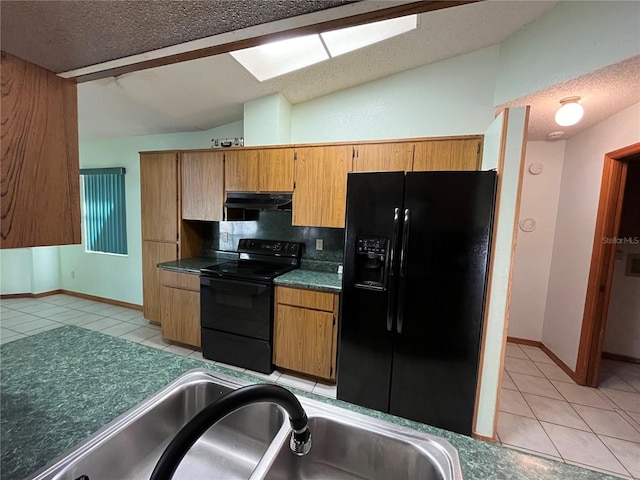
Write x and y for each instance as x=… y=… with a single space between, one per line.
x=300 y=442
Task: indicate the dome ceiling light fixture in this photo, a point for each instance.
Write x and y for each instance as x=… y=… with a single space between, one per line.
x=570 y=112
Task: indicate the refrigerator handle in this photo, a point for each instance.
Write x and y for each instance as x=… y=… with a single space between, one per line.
x=403 y=268
x=391 y=268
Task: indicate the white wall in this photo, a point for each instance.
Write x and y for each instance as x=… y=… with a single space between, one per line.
x=500 y=274
x=120 y=277
x=532 y=261
x=16 y=270
x=571 y=39
x=622 y=336
x=575 y=227
x=267 y=121
x=451 y=97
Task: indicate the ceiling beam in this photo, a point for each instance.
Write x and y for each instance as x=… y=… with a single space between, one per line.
x=143 y=62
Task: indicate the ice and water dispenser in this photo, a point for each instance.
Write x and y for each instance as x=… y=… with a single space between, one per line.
x=371 y=263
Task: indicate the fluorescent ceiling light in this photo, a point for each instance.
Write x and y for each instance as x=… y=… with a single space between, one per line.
x=277 y=58
x=352 y=38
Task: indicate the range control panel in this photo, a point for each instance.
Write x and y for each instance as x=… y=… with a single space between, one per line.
x=272 y=247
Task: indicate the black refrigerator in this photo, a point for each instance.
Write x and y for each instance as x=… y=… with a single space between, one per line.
x=416 y=264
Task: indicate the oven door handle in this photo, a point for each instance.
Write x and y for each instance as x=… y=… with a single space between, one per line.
x=221 y=283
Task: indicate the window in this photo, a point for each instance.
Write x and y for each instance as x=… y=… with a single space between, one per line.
x=105 y=219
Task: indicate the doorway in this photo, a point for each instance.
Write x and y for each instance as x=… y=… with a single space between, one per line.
x=603 y=260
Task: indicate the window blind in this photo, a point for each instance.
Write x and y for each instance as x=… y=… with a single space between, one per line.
x=105 y=217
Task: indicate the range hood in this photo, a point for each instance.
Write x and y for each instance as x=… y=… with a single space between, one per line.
x=259 y=201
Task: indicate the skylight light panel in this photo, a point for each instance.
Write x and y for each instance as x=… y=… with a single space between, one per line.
x=352 y=38
x=277 y=58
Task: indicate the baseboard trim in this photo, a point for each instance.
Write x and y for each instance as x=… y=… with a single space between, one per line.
x=536 y=343
x=524 y=341
x=102 y=299
x=620 y=358
x=30 y=295
x=483 y=438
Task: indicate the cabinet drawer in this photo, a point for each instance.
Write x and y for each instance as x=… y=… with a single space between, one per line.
x=185 y=281
x=305 y=298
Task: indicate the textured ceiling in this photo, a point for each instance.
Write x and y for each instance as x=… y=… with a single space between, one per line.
x=81 y=33
x=208 y=92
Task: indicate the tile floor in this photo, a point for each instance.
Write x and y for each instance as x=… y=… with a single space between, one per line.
x=22 y=317
x=543 y=411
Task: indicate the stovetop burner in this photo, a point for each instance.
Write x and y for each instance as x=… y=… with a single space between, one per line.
x=260 y=260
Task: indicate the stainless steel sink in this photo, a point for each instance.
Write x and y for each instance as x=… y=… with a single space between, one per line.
x=252 y=443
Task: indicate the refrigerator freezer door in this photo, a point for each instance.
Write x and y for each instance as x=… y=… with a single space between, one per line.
x=366 y=343
x=436 y=354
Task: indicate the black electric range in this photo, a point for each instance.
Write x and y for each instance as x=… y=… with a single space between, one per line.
x=236 y=303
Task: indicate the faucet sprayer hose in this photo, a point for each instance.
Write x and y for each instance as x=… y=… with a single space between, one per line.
x=216 y=411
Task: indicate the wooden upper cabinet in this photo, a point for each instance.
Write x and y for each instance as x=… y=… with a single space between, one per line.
x=320 y=193
x=260 y=170
x=241 y=170
x=276 y=170
x=383 y=157
x=203 y=185
x=159 y=196
x=39 y=160
x=454 y=154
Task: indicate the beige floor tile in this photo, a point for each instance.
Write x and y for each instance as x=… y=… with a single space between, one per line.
x=634 y=417
x=272 y=377
x=583 y=395
x=11 y=338
x=535 y=385
x=525 y=433
x=519 y=365
x=608 y=422
x=53 y=310
x=600 y=470
x=625 y=400
x=13 y=322
x=582 y=447
x=185 y=352
x=127 y=315
x=64 y=316
x=536 y=354
x=514 y=350
x=8 y=313
x=26 y=327
x=120 y=329
x=622 y=368
x=156 y=342
x=230 y=367
x=513 y=402
x=140 y=334
x=608 y=379
x=34 y=308
x=627 y=452
x=325 y=390
x=507 y=382
x=297 y=382
x=83 y=319
x=554 y=372
x=633 y=381
x=100 y=324
x=46 y=328
x=60 y=299
x=555 y=411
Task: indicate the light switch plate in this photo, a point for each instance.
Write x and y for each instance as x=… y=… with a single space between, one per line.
x=319 y=244
x=225 y=236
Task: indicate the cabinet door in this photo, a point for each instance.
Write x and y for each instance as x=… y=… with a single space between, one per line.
x=303 y=340
x=384 y=157
x=241 y=170
x=202 y=185
x=276 y=170
x=320 y=193
x=152 y=254
x=457 y=154
x=181 y=316
x=159 y=196
x=39 y=160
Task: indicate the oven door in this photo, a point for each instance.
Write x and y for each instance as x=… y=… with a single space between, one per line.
x=236 y=306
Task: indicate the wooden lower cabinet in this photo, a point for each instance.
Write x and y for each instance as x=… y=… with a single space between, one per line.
x=305 y=331
x=180 y=307
x=152 y=254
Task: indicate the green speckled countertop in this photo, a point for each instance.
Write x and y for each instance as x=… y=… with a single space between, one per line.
x=313 y=279
x=60 y=386
x=193 y=265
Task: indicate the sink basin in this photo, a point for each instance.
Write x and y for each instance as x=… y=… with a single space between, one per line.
x=252 y=443
x=130 y=446
x=342 y=451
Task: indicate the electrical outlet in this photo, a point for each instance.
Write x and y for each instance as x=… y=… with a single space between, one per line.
x=73 y=274
x=225 y=236
x=319 y=244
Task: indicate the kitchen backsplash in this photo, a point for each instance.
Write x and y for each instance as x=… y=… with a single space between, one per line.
x=275 y=225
